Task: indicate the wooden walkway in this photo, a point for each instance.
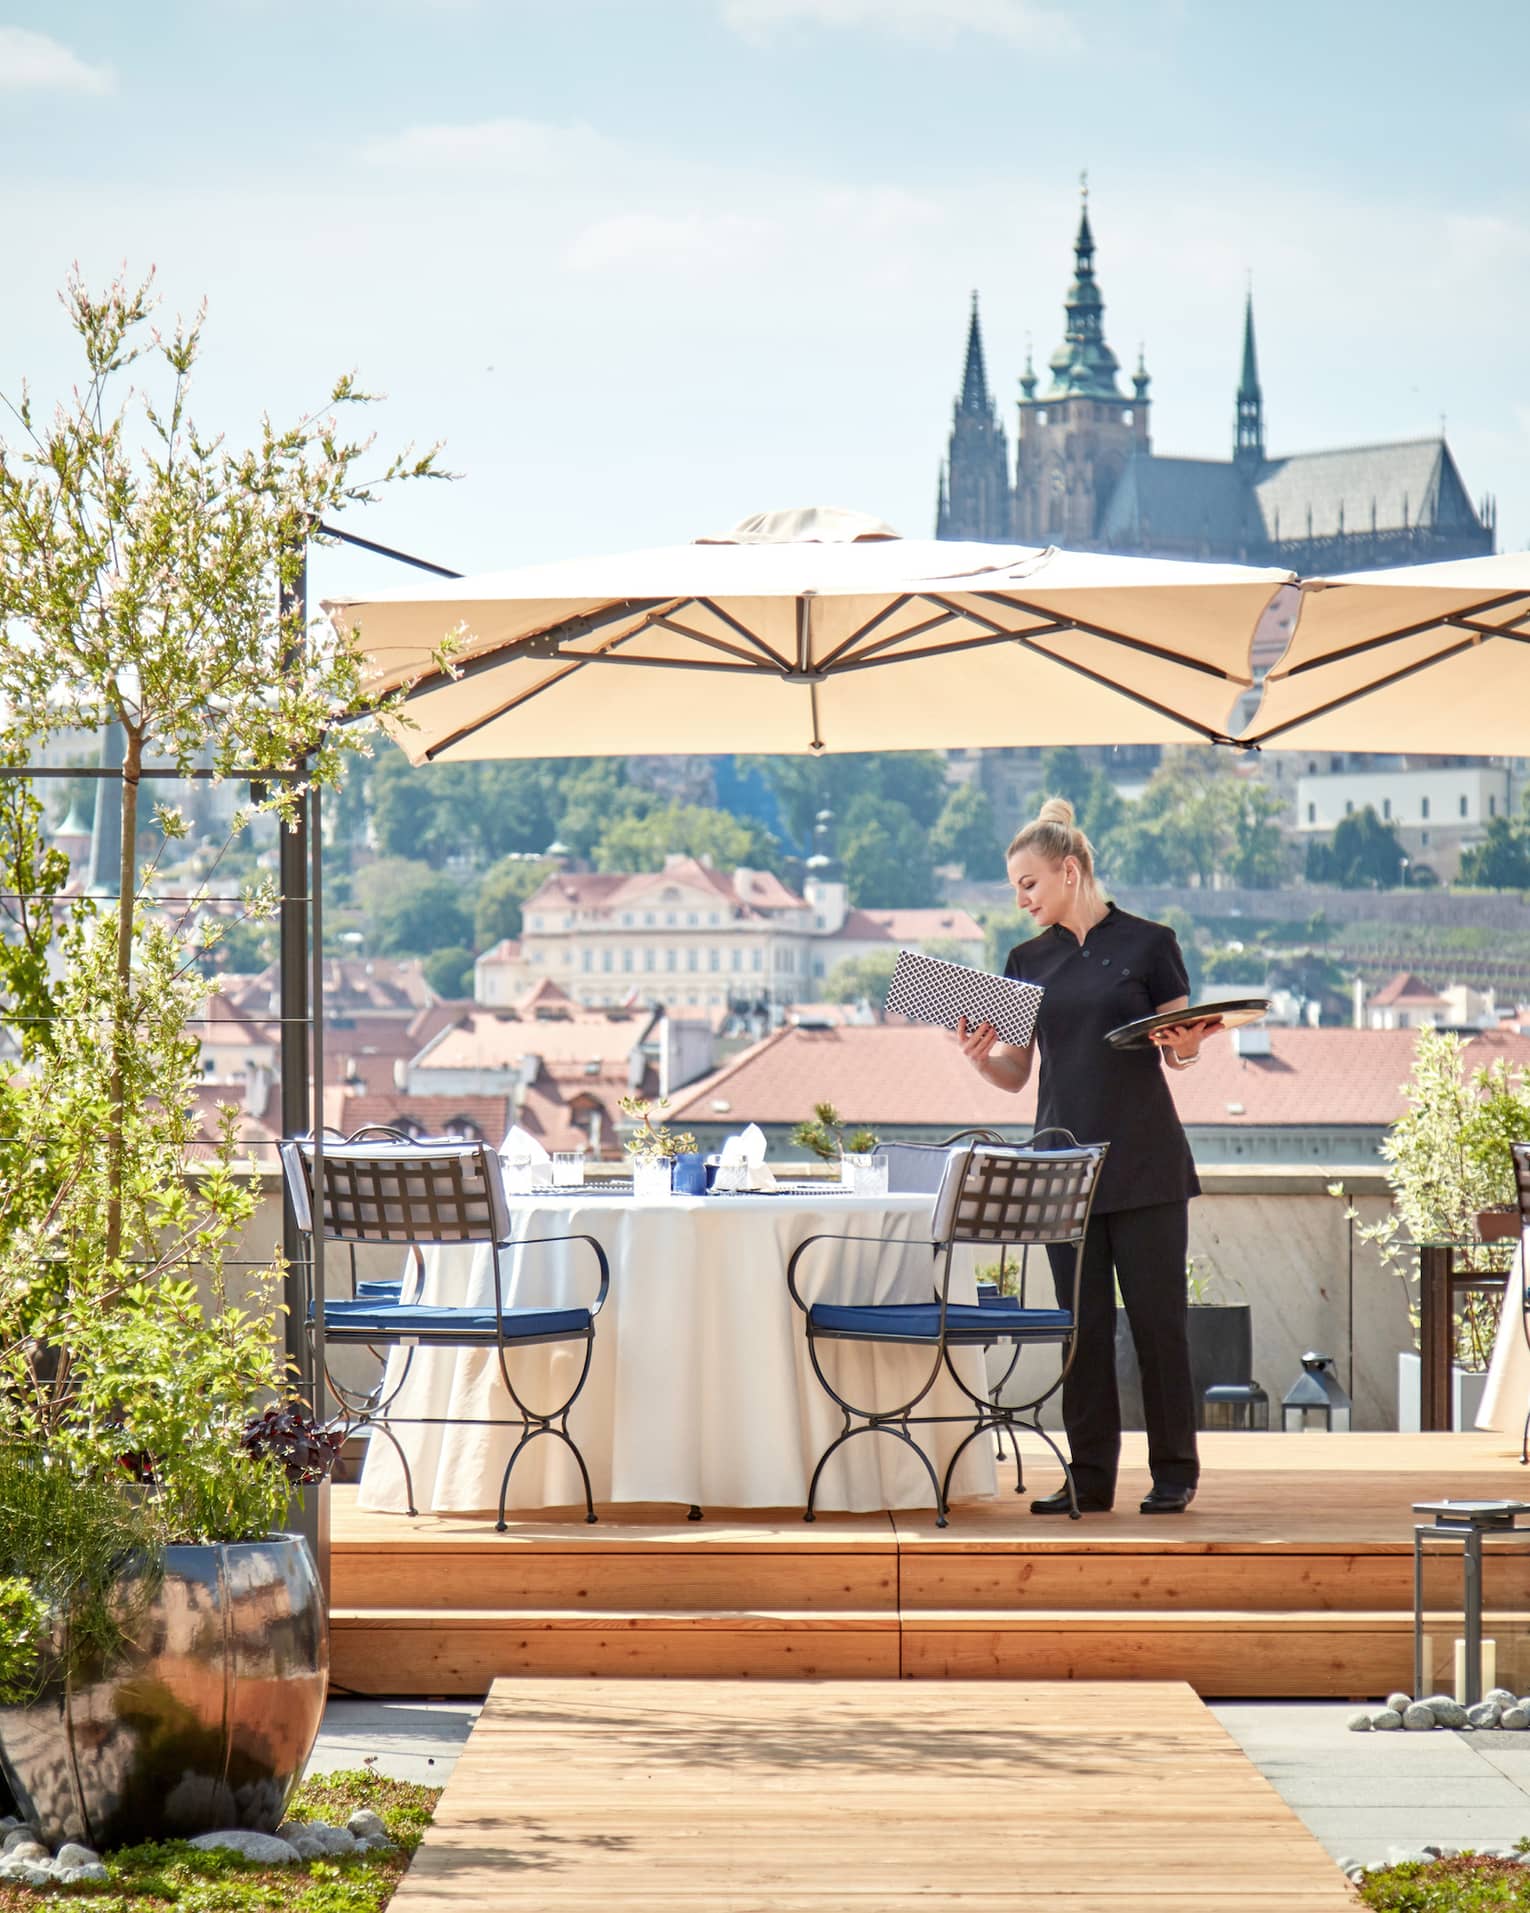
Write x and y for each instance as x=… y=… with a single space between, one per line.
x=726 y=1797
x=1291 y=1575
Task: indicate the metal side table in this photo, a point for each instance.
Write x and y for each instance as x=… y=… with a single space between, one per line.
x=1465 y=1524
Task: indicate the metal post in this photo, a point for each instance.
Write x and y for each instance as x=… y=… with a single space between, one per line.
x=1471 y=1558
x=1435 y=1261
x=294 y=1010
x=318 y=1531
x=1420 y=1685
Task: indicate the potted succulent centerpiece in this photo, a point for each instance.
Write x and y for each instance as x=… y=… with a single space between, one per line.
x=1452 y=1180
x=830 y=1138
x=654 y=1148
x=163 y=1650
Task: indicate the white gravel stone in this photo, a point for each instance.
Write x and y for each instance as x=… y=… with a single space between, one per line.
x=1448 y=1712
x=1419 y=1718
x=73 y=1876
x=8 y=1822
x=72 y=1854
x=264 y=1848
x=1359 y=1723
x=1502 y=1695
x=33 y=1875
x=1399 y=1703
x=1406 y=1856
x=367 y=1825
x=1484 y=1714
x=1388 y=1721
x=19 y=1836
x=1516 y=1718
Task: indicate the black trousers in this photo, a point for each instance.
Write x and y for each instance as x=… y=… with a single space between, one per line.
x=1143 y=1250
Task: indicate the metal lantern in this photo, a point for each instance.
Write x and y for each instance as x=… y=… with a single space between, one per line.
x=1234 y=1405
x=1316 y=1399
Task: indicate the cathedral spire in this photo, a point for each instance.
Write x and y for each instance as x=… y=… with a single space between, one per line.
x=973 y=495
x=1084 y=366
x=974 y=374
x=1248 y=442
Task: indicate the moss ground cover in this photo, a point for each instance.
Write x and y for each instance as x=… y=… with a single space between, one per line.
x=170 y=1874
x=1470 y=1884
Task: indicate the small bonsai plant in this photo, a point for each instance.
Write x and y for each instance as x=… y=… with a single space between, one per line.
x=651 y=1141
x=825 y=1134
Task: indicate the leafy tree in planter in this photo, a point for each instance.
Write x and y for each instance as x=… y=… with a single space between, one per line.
x=144 y=569
x=143 y=562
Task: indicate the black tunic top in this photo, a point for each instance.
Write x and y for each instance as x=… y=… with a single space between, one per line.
x=1125 y=968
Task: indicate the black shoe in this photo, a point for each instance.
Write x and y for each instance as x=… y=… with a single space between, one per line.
x=1168 y=1501
x=1060 y=1504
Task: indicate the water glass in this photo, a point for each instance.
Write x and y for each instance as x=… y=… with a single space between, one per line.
x=568 y=1168
x=517 y=1175
x=869 y=1175
x=651 y=1177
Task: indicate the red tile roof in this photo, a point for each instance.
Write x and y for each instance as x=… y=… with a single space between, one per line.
x=1405 y=987
x=903 y=1075
x=753 y=892
x=912 y=926
x=490 y=1039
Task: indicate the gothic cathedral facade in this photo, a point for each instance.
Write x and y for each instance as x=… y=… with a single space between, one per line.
x=1085 y=474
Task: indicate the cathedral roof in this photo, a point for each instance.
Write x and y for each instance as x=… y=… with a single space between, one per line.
x=1181 y=501
x=1411 y=483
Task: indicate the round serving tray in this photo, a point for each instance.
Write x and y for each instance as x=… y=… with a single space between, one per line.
x=1243 y=1009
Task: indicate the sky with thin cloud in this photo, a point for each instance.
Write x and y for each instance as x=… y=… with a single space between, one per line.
x=648 y=267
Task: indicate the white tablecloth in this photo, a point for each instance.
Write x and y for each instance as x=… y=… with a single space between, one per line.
x=700 y=1390
x=1506 y=1396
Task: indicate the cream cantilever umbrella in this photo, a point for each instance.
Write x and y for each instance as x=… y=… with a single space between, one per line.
x=814 y=630
x=1426 y=658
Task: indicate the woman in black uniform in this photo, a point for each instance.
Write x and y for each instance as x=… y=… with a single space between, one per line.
x=1101 y=968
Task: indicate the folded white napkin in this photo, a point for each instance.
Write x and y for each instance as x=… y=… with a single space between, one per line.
x=521 y=1146
x=742 y=1165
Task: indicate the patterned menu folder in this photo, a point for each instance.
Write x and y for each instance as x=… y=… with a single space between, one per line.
x=930 y=990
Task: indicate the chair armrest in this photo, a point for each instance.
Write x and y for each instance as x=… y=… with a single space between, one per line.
x=807 y=1242
x=538 y=1241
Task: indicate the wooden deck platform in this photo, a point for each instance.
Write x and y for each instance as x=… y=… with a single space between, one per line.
x=783 y=1797
x=1291 y=1575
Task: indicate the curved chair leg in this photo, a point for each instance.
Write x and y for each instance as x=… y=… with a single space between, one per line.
x=527 y=1438
x=398 y=1448
x=877 y=1428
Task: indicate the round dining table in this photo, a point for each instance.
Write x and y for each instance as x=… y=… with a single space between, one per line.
x=701 y=1391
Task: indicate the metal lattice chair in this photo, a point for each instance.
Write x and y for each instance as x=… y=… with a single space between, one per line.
x=992 y=1197
x=380 y=1188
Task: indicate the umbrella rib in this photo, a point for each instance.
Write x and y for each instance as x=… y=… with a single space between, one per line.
x=751 y=661
x=1145 y=645
x=742 y=630
x=1362 y=645
x=502 y=710
x=1211 y=735
x=874 y=651
x=585 y=625
x=828 y=662
x=1363 y=690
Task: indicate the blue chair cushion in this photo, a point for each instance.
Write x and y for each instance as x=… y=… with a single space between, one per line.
x=1002 y=1320
x=381 y=1322
x=374 y=1290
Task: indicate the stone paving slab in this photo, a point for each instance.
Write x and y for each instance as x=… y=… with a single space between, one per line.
x=1363 y=1793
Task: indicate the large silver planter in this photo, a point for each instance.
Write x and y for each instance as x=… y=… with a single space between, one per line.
x=204 y=1722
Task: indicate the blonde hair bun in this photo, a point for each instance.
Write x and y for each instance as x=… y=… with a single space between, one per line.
x=1053 y=834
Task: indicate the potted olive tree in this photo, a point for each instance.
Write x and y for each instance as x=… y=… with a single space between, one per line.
x=142 y=572
x=1452 y=1180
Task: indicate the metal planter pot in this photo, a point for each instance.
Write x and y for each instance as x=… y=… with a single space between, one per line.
x=204 y=1722
x=1221 y=1350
